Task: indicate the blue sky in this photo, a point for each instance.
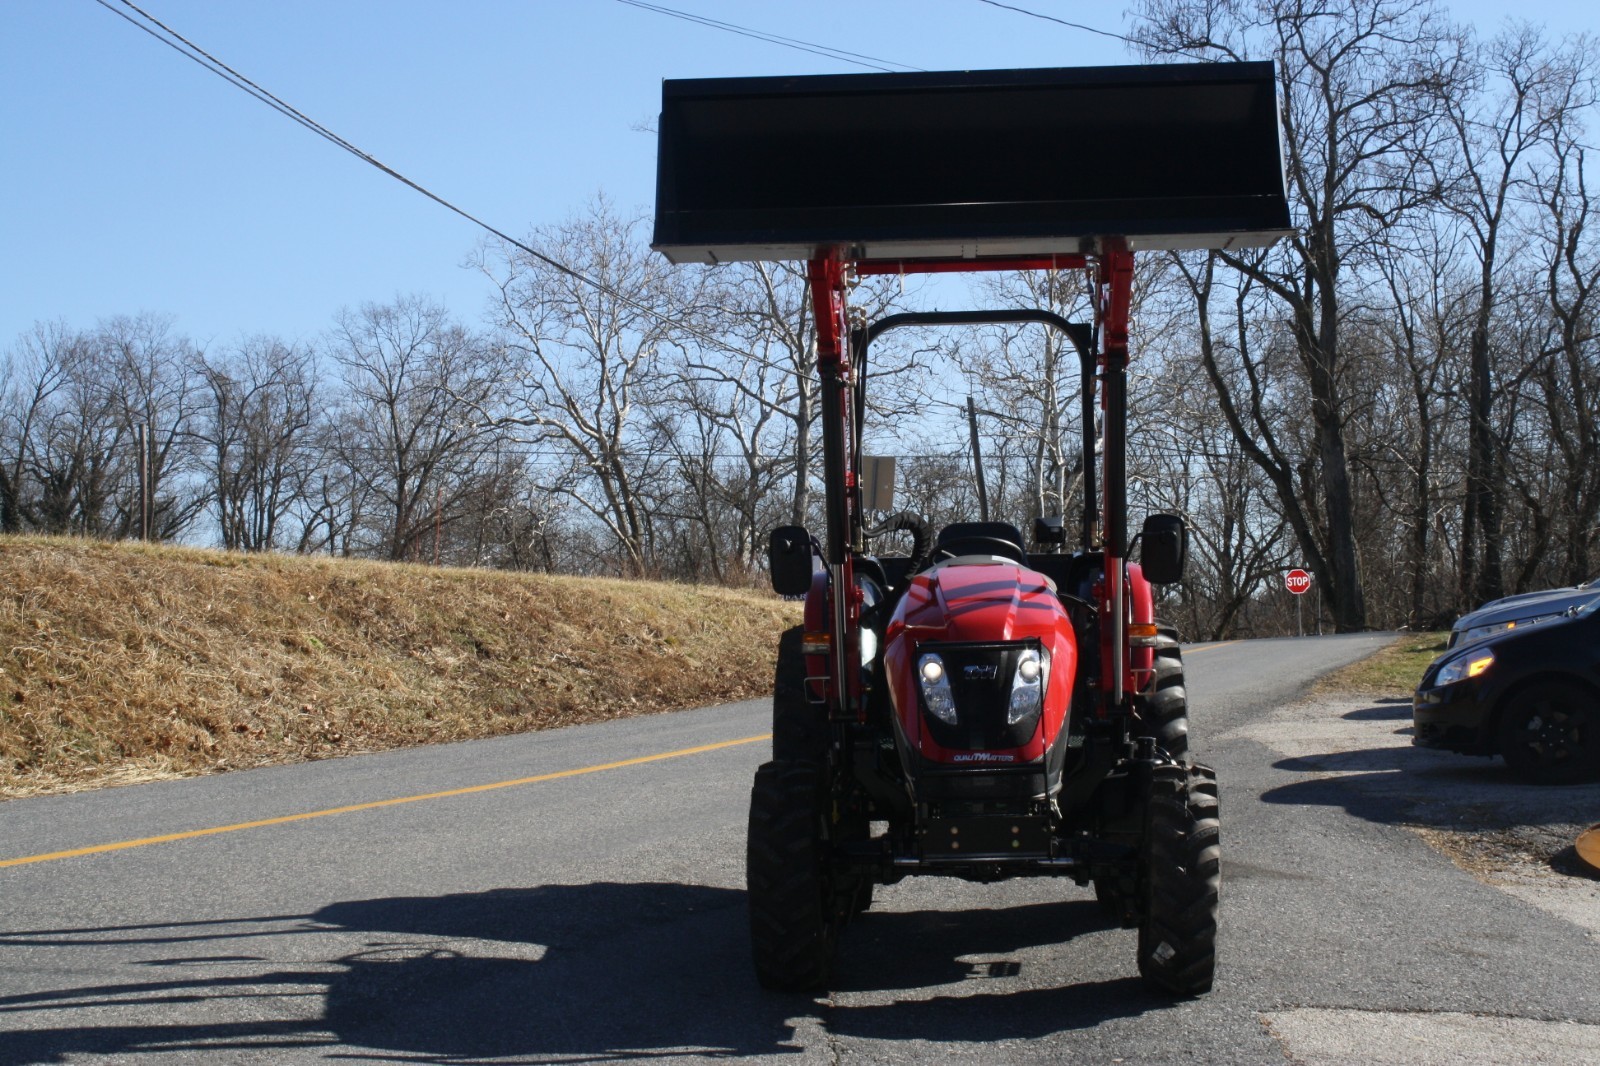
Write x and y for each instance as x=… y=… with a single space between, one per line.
x=132 y=180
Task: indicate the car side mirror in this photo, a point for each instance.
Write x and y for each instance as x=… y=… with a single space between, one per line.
x=789 y=560
x=1163 y=548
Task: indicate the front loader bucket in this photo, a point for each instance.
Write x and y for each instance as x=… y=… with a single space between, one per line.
x=964 y=164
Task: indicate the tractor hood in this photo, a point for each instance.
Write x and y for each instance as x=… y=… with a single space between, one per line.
x=979 y=602
x=978 y=616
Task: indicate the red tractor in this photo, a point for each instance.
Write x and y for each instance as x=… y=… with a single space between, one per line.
x=975 y=709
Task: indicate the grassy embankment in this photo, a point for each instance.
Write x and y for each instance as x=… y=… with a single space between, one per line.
x=126 y=662
x=1393 y=671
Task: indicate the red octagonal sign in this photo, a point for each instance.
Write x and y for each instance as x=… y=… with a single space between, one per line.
x=1297 y=581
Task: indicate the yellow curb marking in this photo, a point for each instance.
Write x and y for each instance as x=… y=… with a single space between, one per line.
x=122 y=845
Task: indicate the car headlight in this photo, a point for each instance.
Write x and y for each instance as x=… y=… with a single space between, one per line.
x=936 y=694
x=1027 y=687
x=1463 y=667
x=1479 y=632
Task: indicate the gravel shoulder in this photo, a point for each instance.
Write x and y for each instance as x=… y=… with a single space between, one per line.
x=1515 y=837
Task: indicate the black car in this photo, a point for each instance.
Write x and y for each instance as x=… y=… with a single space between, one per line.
x=1531 y=694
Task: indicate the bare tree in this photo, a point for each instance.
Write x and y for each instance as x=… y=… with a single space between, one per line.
x=1428 y=309
x=74 y=463
x=1532 y=94
x=1361 y=85
x=1569 y=371
x=253 y=427
x=580 y=357
x=768 y=372
x=418 y=388
x=738 y=408
x=148 y=374
x=32 y=374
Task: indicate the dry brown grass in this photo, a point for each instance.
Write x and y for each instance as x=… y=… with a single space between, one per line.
x=122 y=662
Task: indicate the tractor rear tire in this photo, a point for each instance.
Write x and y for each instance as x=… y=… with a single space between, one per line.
x=789 y=880
x=1182 y=879
x=799 y=727
x=1164 y=705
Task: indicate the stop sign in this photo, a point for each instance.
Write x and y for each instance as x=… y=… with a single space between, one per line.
x=1297 y=581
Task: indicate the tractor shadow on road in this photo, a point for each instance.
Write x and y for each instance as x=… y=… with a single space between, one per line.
x=649 y=969
x=602 y=970
x=886 y=950
x=903 y=952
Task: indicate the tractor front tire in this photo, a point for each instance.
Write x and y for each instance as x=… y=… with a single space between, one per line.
x=1164 y=705
x=794 y=921
x=799 y=727
x=1182 y=878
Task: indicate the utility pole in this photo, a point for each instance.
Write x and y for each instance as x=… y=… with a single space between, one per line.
x=141 y=438
x=977 y=460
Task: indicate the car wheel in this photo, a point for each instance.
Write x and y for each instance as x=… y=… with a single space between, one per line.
x=1550 y=733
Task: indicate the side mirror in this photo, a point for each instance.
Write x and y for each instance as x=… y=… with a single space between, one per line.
x=1049 y=529
x=1163 y=548
x=789 y=560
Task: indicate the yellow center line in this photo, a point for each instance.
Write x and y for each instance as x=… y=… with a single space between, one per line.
x=1210 y=647
x=397 y=801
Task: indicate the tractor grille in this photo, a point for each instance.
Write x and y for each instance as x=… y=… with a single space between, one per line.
x=980 y=680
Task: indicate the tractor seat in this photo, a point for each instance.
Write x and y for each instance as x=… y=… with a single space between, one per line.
x=980 y=542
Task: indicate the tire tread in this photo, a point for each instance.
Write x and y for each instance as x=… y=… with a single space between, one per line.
x=1178 y=934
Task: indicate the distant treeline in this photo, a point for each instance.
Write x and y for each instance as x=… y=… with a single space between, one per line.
x=1403 y=399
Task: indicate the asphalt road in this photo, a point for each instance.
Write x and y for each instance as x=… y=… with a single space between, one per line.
x=598 y=915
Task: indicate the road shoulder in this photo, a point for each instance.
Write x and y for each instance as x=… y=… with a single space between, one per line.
x=1513 y=836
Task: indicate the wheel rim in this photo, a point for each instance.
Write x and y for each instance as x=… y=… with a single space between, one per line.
x=1552 y=734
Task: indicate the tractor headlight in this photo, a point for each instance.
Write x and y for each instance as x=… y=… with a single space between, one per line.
x=869 y=645
x=1027 y=688
x=1463 y=667
x=936 y=694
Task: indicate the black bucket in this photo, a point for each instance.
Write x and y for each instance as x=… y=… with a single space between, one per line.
x=969 y=163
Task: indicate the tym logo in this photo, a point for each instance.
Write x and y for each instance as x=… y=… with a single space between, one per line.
x=980 y=672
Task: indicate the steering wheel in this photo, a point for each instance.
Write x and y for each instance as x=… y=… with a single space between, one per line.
x=980 y=545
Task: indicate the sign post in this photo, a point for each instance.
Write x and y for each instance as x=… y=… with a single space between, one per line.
x=1298 y=582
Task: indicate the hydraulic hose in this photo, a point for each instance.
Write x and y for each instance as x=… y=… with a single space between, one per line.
x=907 y=522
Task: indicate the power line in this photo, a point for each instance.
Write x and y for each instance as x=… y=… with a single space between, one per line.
x=523 y=449
x=871 y=62
x=189 y=50
x=1064 y=22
